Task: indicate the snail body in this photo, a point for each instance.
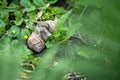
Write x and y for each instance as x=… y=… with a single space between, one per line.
x=43 y=31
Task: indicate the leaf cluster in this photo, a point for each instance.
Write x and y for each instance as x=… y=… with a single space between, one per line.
x=17 y=21
x=97 y=21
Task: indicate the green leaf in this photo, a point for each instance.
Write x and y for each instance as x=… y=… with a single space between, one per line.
x=39 y=3
x=18 y=14
x=57 y=34
x=14 y=31
x=18 y=17
x=19 y=22
x=12 y=5
x=4 y=2
x=31 y=58
x=25 y=49
x=84 y=54
x=63 y=18
x=2 y=23
x=4 y=15
x=24 y=32
x=71 y=30
x=15 y=42
x=30 y=26
x=2 y=26
x=51 y=1
x=32 y=15
x=27 y=4
x=36 y=60
x=61 y=29
x=48 y=44
x=31 y=8
x=47 y=16
x=57 y=10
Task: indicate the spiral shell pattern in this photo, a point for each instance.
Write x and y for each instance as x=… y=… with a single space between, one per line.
x=43 y=31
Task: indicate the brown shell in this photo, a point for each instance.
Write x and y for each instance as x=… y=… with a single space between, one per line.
x=43 y=30
x=52 y=25
x=49 y=25
x=35 y=42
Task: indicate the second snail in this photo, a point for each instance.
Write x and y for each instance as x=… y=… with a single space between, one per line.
x=43 y=31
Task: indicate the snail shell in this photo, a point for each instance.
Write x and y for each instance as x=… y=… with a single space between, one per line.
x=35 y=42
x=43 y=30
x=49 y=25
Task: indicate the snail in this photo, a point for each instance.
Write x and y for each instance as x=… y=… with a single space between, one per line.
x=43 y=31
